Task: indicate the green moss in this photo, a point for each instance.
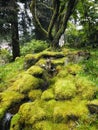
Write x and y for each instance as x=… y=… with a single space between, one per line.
x=59 y=61
x=41 y=62
x=36 y=71
x=85 y=88
x=15 y=122
x=86 y=127
x=47 y=94
x=7 y=99
x=60 y=126
x=26 y=83
x=94 y=102
x=47 y=54
x=48 y=125
x=9 y=72
x=31 y=113
x=64 y=89
x=43 y=125
x=2 y=112
x=34 y=94
x=30 y=60
x=10 y=96
x=70 y=110
x=74 y=69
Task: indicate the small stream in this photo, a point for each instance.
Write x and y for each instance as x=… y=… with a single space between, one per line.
x=6 y=121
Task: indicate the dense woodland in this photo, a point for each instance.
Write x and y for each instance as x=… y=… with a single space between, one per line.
x=48 y=64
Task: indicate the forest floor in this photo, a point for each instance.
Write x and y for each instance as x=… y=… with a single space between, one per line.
x=51 y=90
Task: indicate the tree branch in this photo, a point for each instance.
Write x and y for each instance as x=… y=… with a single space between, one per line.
x=48 y=7
x=54 y=17
x=37 y=22
x=70 y=8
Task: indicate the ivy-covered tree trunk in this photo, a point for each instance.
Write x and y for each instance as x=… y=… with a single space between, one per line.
x=61 y=12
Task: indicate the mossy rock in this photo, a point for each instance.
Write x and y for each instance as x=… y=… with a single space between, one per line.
x=36 y=71
x=74 y=69
x=43 y=125
x=15 y=122
x=93 y=106
x=31 y=113
x=48 y=125
x=70 y=110
x=35 y=94
x=60 y=126
x=85 y=88
x=8 y=99
x=30 y=60
x=59 y=61
x=48 y=54
x=41 y=62
x=47 y=94
x=26 y=83
x=64 y=89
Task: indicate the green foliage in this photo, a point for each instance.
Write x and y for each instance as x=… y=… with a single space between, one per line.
x=91 y=66
x=5 y=56
x=33 y=47
x=9 y=71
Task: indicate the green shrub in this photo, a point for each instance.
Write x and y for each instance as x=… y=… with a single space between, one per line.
x=5 y=56
x=33 y=47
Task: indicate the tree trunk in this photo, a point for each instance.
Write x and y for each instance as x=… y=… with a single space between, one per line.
x=14 y=28
x=15 y=40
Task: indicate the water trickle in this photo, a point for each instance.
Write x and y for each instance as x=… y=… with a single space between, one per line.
x=6 y=121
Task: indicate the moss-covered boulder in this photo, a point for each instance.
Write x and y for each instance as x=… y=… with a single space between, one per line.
x=8 y=99
x=85 y=88
x=49 y=54
x=48 y=125
x=15 y=122
x=74 y=69
x=41 y=62
x=47 y=94
x=35 y=94
x=31 y=113
x=30 y=60
x=70 y=110
x=93 y=106
x=26 y=83
x=36 y=71
x=64 y=89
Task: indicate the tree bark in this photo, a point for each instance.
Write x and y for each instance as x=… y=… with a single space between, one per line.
x=70 y=9
x=15 y=35
x=15 y=40
x=57 y=20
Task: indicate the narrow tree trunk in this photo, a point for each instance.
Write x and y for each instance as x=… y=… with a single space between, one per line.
x=14 y=28
x=15 y=38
